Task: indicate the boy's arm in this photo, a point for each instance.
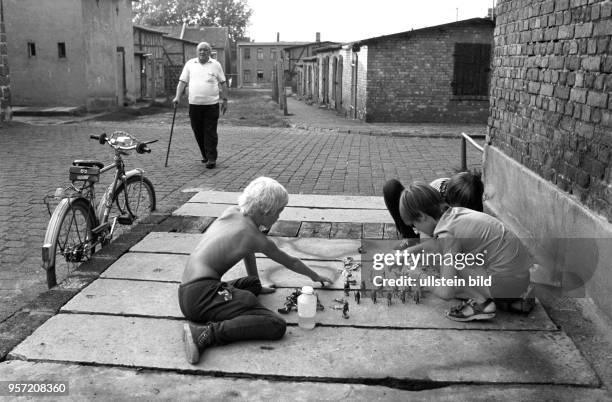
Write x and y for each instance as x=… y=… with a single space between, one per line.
x=250 y=263
x=293 y=263
x=431 y=245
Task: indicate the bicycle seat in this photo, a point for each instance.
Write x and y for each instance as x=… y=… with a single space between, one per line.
x=88 y=163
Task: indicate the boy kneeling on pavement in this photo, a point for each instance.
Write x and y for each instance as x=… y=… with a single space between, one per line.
x=457 y=232
x=230 y=311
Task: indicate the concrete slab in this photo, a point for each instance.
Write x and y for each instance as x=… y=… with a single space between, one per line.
x=305 y=248
x=297 y=213
x=159 y=299
x=299 y=200
x=169 y=268
x=109 y=383
x=508 y=357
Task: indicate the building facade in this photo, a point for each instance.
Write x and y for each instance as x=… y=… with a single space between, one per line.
x=5 y=81
x=70 y=52
x=257 y=60
x=434 y=74
x=149 y=60
x=548 y=166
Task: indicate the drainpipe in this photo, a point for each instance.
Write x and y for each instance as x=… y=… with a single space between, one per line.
x=356 y=47
x=183 y=30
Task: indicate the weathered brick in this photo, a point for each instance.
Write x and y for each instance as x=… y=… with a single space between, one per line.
x=561 y=5
x=597 y=99
x=578 y=95
x=602 y=28
x=591 y=63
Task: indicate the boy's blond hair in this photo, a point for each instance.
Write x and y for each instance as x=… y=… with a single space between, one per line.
x=263 y=195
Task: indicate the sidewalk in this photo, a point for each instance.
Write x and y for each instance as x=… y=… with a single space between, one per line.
x=312 y=117
x=118 y=336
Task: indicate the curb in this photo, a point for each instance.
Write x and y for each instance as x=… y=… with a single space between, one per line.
x=375 y=132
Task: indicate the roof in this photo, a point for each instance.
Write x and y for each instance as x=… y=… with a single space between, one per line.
x=149 y=29
x=216 y=37
x=324 y=43
x=281 y=44
x=456 y=24
x=334 y=46
x=168 y=37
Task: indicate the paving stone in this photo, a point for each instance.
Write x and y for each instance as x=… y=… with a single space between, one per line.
x=160 y=299
x=306 y=248
x=373 y=230
x=315 y=229
x=345 y=230
x=299 y=200
x=285 y=228
x=169 y=268
x=508 y=357
x=90 y=383
x=297 y=213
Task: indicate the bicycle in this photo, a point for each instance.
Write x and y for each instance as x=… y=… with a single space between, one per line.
x=77 y=225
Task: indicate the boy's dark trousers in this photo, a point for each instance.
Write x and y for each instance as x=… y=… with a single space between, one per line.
x=204 y=120
x=242 y=317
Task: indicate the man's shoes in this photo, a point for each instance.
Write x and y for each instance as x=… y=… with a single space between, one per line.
x=204 y=160
x=196 y=339
x=210 y=165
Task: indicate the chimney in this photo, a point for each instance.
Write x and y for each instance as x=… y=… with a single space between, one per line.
x=278 y=36
x=318 y=37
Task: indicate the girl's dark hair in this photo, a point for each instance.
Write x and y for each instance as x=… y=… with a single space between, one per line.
x=420 y=198
x=465 y=189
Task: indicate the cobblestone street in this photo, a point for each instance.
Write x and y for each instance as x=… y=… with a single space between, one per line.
x=35 y=159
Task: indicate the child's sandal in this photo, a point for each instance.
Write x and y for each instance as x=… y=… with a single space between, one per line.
x=471 y=311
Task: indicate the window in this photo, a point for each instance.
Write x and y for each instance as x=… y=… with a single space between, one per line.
x=260 y=76
x=259 y=54
x=471 y=69
x=272 y=54
x=31 y=49
x=61 y=50
x=247 y=53
x=246 y=76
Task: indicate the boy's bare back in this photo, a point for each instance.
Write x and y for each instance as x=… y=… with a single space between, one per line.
x=230 y=238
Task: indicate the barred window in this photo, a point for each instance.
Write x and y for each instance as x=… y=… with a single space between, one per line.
x=471 y=69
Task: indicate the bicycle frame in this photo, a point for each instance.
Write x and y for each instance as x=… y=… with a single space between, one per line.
x=121 y=176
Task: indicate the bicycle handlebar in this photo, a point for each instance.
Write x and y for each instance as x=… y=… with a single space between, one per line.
x=140 y=147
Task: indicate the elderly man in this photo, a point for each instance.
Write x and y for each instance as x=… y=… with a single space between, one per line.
x=206 y=80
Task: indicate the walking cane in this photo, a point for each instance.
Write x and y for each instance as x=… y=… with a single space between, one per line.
x=171 y=130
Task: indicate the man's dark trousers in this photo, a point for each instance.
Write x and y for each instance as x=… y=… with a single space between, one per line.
x=204 y=120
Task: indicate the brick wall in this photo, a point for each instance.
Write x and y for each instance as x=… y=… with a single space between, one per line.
x=5 y=89
x=410 y=76
x=551 y=107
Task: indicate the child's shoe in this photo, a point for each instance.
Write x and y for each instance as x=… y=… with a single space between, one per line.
x=196 y=339
x=471 y=311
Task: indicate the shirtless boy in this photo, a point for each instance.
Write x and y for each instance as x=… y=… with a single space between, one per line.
x=230 y=310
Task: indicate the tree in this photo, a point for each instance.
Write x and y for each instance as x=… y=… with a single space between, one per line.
x=233 y=14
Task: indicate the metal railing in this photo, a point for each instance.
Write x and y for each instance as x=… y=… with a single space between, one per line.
x=464 y=140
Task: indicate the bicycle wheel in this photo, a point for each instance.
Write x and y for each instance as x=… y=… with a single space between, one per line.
x=140 y=197
x=69 y=239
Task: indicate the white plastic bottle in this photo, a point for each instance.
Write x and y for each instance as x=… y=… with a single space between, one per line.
x=307 y=308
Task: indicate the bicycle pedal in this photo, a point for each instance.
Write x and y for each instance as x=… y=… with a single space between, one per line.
x=125 y=219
